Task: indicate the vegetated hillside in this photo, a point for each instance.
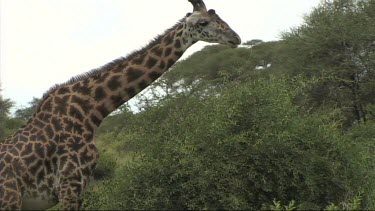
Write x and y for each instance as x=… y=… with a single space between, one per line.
x=244 y=128
x=288 y=122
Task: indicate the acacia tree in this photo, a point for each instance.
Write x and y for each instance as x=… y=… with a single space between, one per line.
x=5 y=105
x=336 y=43
x=26 y=113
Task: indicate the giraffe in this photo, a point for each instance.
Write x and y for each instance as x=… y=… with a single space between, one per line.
x=50 y=159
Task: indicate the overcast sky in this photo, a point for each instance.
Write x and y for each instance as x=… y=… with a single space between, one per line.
x=44 y=42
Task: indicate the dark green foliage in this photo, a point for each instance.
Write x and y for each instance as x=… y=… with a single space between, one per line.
x=105 y=167
x=5 y=105
x=336 y=43
x=7 y=124
x=238 y=150
x=26 y=113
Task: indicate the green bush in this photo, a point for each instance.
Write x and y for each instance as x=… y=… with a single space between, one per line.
x=237 y=149
x=105 y=167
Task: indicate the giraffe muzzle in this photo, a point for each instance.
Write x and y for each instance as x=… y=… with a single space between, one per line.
x=234 y=39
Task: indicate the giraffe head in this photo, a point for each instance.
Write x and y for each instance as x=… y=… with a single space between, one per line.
x=203 y=25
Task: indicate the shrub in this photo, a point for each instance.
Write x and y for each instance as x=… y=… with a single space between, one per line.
x=237 y=149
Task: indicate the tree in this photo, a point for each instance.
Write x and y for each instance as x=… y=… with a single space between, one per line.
x=26 y=113
x=336 y=43
x=5 y=106
x=253 y=42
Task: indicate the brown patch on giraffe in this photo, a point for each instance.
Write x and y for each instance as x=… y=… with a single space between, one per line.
x=84 y=104
x=139 y=60
x=179 y=34
x=56 y=123
x=22 y=138
x=117 y=101
x=143 y=84
x=61 y=136
x=76 y=113
x=60 y=104
x=39 y=124
x=63 y=90
x=162 y=64
x=86 y=155
x=154 y=75
x=114 y=83
x=33 y=130
x=168 y=39
x=96 y=120
x=103 y=110
x=151 y=62
x=167 y=51
x=76 y=145
x=170 y=63
x=157 y=51
x=33 y=168
x=178 y=53
x=133 y=74
x=49 y=131
x=8 y=158
x=62 y=161
x=100 y=94
x=38 y=149
x=100 y=78
x=81 y=88
x=47 y=105
x=177 y=44
x=88 y=126
x=41 y=137
x=44 y=117
x=50 y=149
x=121 y=67
x=130 y=92
x=72 y=127
x=179 y=27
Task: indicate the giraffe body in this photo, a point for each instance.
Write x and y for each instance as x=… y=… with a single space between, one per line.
x=51 y=158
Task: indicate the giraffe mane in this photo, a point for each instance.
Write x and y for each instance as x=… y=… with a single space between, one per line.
x=109 y=65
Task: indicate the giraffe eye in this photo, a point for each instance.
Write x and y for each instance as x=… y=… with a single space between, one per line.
x=203 y=23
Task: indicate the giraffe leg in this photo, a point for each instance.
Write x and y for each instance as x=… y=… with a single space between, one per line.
x=70 y=195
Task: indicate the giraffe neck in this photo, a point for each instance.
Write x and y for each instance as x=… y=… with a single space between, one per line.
x=88 y=99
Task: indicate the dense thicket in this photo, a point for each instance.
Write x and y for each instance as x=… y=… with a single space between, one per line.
x=337 y=43
x=244 y=128
x=238 y=149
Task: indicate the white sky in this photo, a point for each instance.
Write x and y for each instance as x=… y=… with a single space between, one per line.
x=44 y=42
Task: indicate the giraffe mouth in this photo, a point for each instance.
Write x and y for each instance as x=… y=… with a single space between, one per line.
x=233 y=44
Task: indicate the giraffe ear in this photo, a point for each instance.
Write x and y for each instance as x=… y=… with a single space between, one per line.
x=211 y=12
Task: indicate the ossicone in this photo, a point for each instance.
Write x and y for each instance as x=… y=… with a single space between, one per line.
x=198 y=5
